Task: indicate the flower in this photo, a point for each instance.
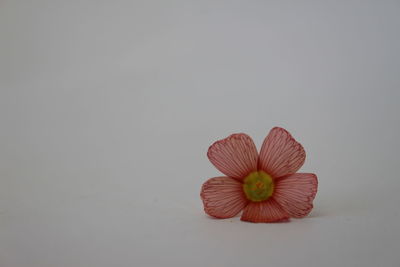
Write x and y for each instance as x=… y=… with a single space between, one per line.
x=265 y=186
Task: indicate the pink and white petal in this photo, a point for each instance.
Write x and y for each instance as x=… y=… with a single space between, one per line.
x=223 y=197
x=281 y=154
x=265 y=211
x=296 y=192
x=235 y=156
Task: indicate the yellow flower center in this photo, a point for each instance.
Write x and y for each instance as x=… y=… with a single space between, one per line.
x=258 y=186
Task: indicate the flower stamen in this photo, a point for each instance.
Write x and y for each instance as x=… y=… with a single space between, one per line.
x=258 y=186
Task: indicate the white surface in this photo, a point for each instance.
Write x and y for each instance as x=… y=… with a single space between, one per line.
x=107 y=109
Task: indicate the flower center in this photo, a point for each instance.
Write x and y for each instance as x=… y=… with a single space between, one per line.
x=258 y=186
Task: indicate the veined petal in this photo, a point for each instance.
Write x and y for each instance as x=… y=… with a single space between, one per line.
x=281 y=154
x=235 y=156
x=223 y=197
x=296 y=192
x=266 y=211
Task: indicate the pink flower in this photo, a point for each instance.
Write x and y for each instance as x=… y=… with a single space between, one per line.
x=265 y=186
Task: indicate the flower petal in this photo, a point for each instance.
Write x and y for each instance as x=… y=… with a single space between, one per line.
x=235 y=156
x=223 y=197
x=265 y=211
x=280 y=154
x=296 y=192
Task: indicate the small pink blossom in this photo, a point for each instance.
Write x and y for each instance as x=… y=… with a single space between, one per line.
x=265 y=185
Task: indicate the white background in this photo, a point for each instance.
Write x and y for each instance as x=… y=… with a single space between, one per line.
x=107 y=109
